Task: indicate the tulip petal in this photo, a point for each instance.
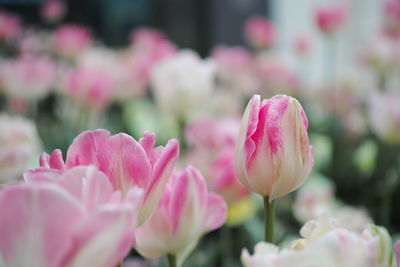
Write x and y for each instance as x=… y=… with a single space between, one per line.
x=125 y=162
x=36 y=224
x=104 y=240
x=85 y=148
x=216 y=212
x=42 y=175
x=87 y=184
x=162 y=170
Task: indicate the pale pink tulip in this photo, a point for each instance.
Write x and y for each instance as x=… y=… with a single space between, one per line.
x=28 y=77
x=211 y=148
x=44 y=225
x=260 y=32
x=273 y=155
x=19 y=141
x=10 y=26
x=330 y=18
x=90 y=86
x=302 y=45
x=53 y=10
x=186 y=211
x=126 y=162
x=236 y=69
x=71 y=40
x=392 y=18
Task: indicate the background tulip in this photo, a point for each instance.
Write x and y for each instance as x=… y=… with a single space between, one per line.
x=330 y=18
x=186 y=211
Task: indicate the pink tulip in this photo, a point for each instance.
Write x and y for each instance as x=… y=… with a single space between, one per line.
x=397 y=252
x=90 y=86
x=236 y=69
x=273 y=155
x=211 y=142
x=53 y=10
x=186 y=211
x=392 y=18
x=126 y=162
x=70 y=40
x=330 y=18
x=44 y=225
x=302 y=45
x=28 y=77
x=260 y=32
x=10 y=26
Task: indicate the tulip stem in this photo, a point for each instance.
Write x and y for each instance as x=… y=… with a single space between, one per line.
x=269 y=219
x=171 y=260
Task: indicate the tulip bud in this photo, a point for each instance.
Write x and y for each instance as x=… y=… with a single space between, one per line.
x=273 y=155
x=330 y=18
x=185 y=212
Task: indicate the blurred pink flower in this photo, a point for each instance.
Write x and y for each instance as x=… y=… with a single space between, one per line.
x=53 y=10
x=273 y=155
x=330 y=18
x=392 y=18
x=302 y=45
x=126 y=162
x=28 y=77
x=70 y=40
x=19 y=141
x=397 y=252
x=211 y=149
x=260 y=32
x=276 y=76
x=236 y=69
x=89 y=86
x=46 y=225
x=186 y=212
x=10 y=26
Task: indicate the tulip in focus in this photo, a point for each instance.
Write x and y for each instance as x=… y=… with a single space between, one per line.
x=273 y=155
x=53 y=10
x=185 y=212
x=126 y=162
x=71 y=40
x=330 y=18
x=260 y=32
x=19 y=141
x=183 y=84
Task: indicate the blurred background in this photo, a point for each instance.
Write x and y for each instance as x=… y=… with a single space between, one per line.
x=187 y=68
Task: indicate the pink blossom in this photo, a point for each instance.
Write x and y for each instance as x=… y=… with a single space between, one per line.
x=45 y=224
x=90 y=86
x=273 y=155
x=260 y=32
x=397 y=252
x=186 y=211
x=10 y=26
x=28 y=77
x=53 y=10
x=392 y=18
x=330 y=18
x=302 y=45
x=236 y=69
x=126 y=162
x=211 y=142
x=70 y=40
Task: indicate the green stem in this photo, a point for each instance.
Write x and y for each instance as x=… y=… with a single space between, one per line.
x=171 y=260
x=269 y=220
